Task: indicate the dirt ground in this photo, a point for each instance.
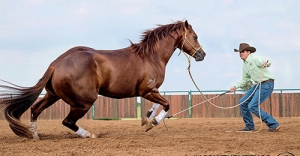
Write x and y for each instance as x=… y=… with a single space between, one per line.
x=183 y=137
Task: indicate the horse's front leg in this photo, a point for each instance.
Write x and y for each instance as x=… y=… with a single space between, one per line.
x=157 y=98
x=150 y=114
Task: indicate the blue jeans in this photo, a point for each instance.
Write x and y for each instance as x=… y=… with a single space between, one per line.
x=251 y=105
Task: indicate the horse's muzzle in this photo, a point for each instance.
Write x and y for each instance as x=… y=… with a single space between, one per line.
x=199 y=55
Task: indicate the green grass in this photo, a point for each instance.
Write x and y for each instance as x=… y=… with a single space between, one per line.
x=107 y=118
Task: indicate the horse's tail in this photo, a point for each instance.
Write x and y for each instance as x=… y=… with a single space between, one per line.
x=15 y=100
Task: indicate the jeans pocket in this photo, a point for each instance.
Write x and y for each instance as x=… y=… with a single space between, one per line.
x=267 y=87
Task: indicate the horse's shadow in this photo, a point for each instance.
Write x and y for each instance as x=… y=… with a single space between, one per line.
x=67 y=135
x=43 y=136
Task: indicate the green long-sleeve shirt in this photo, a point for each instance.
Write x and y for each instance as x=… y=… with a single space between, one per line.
x=252 y=69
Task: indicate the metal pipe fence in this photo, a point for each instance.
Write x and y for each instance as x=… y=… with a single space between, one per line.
x=282 y=103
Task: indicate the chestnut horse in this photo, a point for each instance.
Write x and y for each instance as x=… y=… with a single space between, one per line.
x=80 y=74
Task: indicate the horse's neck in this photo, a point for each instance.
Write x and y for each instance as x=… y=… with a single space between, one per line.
x=166 y=49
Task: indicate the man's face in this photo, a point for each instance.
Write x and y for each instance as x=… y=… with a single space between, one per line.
x=244 y=54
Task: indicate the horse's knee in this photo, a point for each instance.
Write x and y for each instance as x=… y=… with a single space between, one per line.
x=166 y=107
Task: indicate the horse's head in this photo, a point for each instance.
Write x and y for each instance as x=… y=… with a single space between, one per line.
x=190 y=44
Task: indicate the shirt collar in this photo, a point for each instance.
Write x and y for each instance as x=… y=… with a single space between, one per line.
x=248 y=59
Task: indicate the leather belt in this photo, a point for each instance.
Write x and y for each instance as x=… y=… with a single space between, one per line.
x=270 y=80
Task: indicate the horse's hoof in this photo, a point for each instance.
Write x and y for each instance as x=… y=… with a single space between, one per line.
x=151 y=124
x=89 y=135
x=35 y=135
x=144 y=121
x=94 y=136
x=32 y=129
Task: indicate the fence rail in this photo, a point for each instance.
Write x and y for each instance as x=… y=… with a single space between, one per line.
x=281 y=103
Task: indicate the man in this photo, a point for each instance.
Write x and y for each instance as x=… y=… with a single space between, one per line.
x=255 y=69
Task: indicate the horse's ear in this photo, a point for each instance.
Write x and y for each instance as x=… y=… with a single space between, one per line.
x=186 y=24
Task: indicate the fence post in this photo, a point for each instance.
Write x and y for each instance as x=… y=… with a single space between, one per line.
x=280 y=104
x=234 y=103
x=115 y=105
x=190 y=103
x=138 y=109
x=93 y=111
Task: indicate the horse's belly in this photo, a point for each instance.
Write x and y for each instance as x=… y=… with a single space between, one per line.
x=117 y=94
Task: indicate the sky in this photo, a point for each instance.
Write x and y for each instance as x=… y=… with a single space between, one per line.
x=33 y=33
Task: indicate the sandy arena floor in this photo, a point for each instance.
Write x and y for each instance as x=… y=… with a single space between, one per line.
x=127 y=137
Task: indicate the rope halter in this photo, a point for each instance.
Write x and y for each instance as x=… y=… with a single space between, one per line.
x=186 y=39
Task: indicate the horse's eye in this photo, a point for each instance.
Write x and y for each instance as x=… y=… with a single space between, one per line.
x=195 y=38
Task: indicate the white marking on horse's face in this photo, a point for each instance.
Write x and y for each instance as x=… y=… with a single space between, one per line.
x=151 y=81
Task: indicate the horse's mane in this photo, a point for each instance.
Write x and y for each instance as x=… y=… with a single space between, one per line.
x=149 y=41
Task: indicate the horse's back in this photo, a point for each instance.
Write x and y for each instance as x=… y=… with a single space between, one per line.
x=74 y=61
x=84 y=70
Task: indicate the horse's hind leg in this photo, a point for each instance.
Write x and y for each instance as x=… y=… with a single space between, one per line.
x=37 y=109
x=70 y=122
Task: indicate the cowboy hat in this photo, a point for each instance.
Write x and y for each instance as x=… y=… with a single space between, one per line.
x=245 y=47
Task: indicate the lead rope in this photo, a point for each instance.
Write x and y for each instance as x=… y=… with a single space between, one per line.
x=259 y=84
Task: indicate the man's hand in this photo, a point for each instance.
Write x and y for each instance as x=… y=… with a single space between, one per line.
x=232 y=89
x=265 y=64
